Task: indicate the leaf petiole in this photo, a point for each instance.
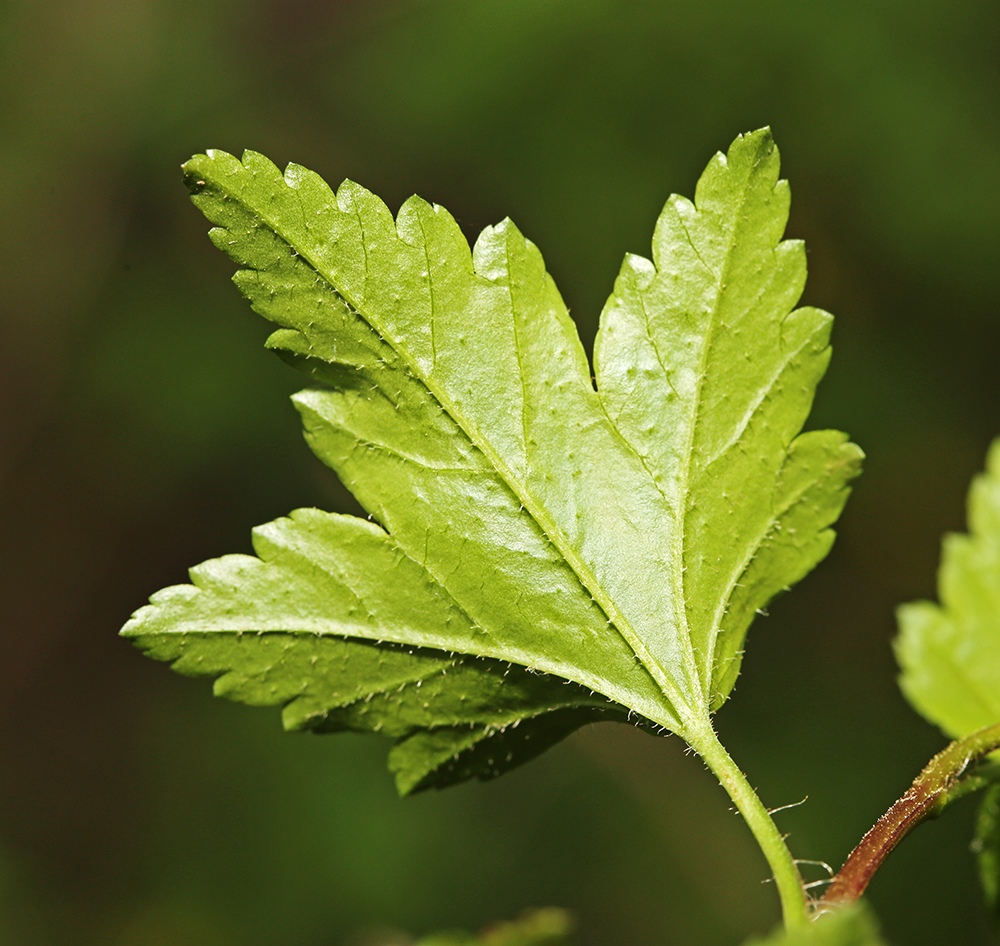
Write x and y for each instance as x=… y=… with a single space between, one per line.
x=794 y=904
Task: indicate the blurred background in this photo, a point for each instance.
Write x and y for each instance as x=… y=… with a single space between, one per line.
x=144 y=429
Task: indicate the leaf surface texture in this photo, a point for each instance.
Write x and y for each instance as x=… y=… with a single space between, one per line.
x=547 y=548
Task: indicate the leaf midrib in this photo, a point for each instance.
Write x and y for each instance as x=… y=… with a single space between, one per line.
x=720 y=282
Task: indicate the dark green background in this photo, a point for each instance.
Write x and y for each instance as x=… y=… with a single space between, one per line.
x=145 y=429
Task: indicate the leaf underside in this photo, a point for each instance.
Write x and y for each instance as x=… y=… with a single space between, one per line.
x=950 y=652
x=547 y=548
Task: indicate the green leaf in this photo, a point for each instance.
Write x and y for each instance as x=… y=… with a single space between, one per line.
x=853 y=925
x=612 y=543
x=950 y=653
x=446 y=708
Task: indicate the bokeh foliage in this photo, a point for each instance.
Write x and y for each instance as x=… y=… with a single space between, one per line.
x=144 y=427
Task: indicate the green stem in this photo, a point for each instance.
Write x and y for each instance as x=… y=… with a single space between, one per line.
x=944 y=780
x=786 y=874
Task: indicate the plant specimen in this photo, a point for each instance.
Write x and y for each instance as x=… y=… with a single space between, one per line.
x=549 y=542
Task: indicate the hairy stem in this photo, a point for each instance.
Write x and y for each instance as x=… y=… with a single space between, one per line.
x=943 y=781
x=786 y=874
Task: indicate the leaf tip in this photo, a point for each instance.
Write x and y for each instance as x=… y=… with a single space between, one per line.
x=192 y=173
x=760 y=140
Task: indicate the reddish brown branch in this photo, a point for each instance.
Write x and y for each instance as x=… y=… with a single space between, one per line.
x=938 y=785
